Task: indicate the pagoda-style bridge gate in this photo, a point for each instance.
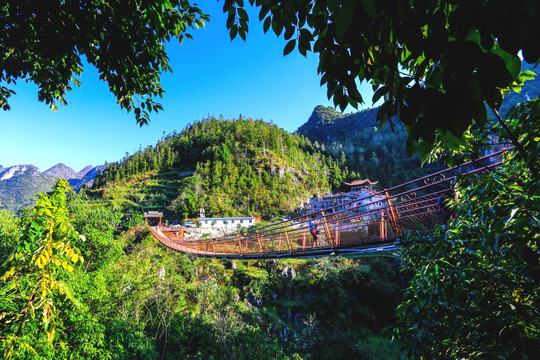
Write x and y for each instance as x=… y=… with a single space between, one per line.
x=375 y=223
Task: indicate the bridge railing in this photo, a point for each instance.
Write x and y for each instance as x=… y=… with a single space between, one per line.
x=380 y=217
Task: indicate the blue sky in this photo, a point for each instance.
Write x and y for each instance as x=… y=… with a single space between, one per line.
x=212 y=76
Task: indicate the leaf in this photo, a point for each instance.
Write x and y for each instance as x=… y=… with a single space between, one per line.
x=410 y=146
x=369 y=6
x=242 y=34
x=243 y=14
x=233 y=32
x=75 y=258
x=512 y=62
x=383 y=90
x=289 y=47
x=424 y=149
x=344 y=18
x=451 y=141
x=266 y=24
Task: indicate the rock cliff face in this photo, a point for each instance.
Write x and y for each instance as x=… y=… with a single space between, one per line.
x=20 y=183
x=368 y=150
x=326 y=124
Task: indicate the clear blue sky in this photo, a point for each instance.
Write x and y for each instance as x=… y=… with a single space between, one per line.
x=212 y=76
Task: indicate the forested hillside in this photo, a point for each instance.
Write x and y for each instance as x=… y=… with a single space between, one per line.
x=227 y=167
x=369 y=150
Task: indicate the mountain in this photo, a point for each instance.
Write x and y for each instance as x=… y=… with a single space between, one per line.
x=87 y=176
x=379 y=153
x=368 y=150
x=62 y=171
x=75 y=179
x=20 y=183
x=228 y=167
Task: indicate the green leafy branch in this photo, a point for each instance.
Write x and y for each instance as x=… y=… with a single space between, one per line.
x=43 y=255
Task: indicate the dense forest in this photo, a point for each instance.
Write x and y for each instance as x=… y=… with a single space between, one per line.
x=227 y=167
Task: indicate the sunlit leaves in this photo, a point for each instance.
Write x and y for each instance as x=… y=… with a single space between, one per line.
x=475 y=292
x=44 y=253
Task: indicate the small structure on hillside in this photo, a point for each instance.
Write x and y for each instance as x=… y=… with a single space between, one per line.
x=228 y=224
x=364 y=185
x=174 y=232
x=153 y=215
x=361 y=190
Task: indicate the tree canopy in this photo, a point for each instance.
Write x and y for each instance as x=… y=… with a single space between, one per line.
x=439 y=65
x=46 y=43
x=435 y=63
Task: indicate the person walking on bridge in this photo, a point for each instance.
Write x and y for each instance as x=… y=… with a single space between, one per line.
x=313 y=229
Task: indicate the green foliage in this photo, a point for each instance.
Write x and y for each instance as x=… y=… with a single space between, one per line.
x=335 y=307
x=228 y=167
x=44 y=44
x=33 y=283
x=435 y=63
x=475 y=292
x=9 y=235
x=98 y=223
x=148 y=302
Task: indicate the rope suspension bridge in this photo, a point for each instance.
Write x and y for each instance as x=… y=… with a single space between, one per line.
x=374 y=223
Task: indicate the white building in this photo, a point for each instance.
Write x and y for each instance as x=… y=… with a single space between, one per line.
x=227 y=224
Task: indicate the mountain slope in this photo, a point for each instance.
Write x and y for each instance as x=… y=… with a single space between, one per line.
x=19 y=184
x=227 y=167
x=369 y=151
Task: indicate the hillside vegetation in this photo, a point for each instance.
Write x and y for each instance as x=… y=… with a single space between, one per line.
x=227 y=167
x=117 y=293
x=368 y=150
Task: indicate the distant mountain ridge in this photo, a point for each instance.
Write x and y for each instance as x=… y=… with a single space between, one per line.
x=20 y=183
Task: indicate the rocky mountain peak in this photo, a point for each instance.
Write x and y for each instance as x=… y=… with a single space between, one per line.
x=61 y=171
x=20 y=183
x=323 y=114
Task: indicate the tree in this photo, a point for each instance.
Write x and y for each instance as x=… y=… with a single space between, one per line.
x=32 y=288
x=439 y=65
x=436 y=63
x=44 y=42
x=475 y=292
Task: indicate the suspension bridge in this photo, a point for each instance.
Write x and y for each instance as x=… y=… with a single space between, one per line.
x=373 y=223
